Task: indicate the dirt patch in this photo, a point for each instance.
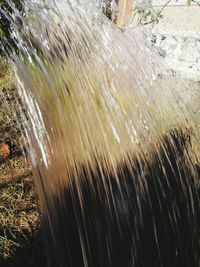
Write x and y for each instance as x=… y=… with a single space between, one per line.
x=19 y=210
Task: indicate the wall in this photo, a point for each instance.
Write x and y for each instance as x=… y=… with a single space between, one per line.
x=177 y=36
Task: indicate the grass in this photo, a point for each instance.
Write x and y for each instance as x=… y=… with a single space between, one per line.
x=19 y=217
x=19 y=210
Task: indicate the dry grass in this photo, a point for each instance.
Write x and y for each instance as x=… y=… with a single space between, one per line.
x=18 y=216
x=19 y=212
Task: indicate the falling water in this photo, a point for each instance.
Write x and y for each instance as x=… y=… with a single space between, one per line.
x=111 y=144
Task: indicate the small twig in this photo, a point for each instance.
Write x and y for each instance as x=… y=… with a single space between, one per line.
x=161 y=10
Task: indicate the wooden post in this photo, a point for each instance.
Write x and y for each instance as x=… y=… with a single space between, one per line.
x=125 y=12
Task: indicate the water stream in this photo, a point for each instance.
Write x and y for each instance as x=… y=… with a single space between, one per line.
x=113 y=146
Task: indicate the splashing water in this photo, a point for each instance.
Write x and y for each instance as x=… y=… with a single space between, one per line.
x=109 y=141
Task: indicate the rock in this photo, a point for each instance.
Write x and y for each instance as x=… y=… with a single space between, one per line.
x=4 y=151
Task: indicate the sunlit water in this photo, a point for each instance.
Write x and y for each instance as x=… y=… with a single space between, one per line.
x=98 y=119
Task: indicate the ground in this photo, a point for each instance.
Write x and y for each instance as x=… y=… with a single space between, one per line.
x=19 y=212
